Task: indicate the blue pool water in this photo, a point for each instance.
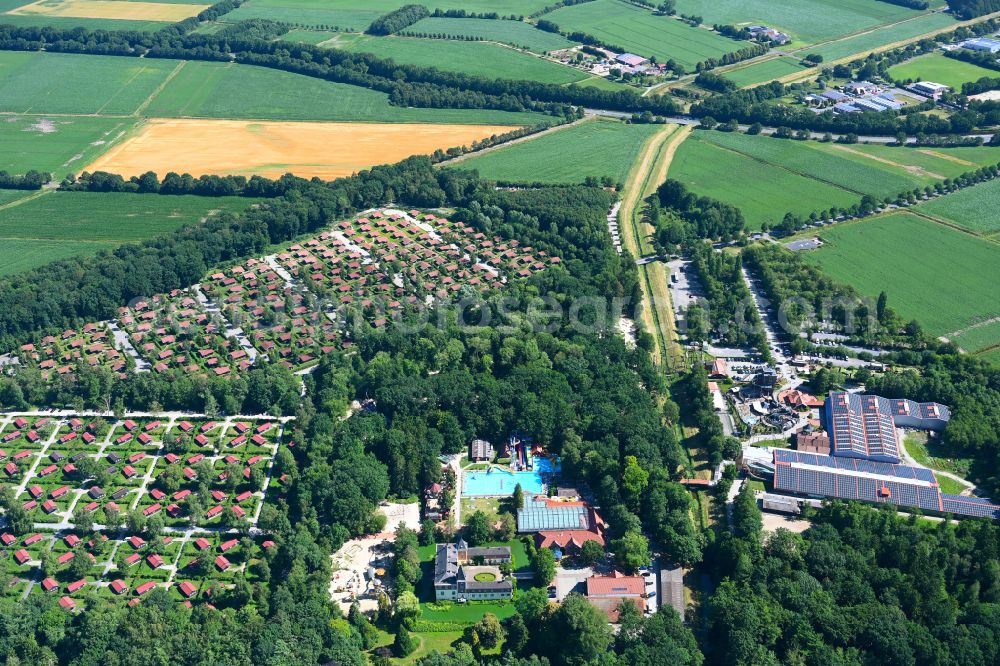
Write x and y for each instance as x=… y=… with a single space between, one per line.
x=502 y=482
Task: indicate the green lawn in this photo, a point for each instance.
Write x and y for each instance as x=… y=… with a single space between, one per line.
x=809 y=21
x=517 y=33
x=56 y=225
x=468 y=613
x=940 y=69
x=764 y=72
x=946 y=279
x=350 y=15
x=928 y=452
x=68 y=83
x=57 y=144
x=475 y=58
x=637 y=30
x=869 y=41
x=226 y=90
x=972 y=208
x=983 y=337
x=764 y=192
x=594 y=148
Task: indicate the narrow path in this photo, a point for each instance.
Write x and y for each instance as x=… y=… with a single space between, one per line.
x=159 y=88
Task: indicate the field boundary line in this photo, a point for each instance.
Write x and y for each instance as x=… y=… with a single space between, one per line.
x=142 y=69
x=632 y=194
x=951 y=225
x=962 y=331
x=163 y=84
x=521 y=139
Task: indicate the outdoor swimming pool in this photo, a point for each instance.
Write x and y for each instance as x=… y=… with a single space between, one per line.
x=502 y=482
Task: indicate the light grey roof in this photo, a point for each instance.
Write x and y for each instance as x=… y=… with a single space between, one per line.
x=672 y=589
x=445 y=563
x=537 y=516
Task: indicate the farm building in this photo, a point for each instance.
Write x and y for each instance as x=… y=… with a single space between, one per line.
x=861 y=88
x=606 y=593
x=457 y=579
x=631 y=59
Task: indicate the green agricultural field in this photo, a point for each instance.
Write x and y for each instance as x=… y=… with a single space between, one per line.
x=935 y=163
x=226 y=90
x=517 y=33
x=839 y=165
x=352 y=16
x=51 y=225
x=985 y=335
x=601 y=83
x=939 y=276
x=764 y=72
x=67 y=83
x=17 y=256
x=58 y=145
x=809 y=21
x=940 y=69
x=763 y=191
x=476 y=58
x=973 y=208
x=314 y=37
x=870 y=41
x=108 y=216
x=637 y=30
x=594 y=148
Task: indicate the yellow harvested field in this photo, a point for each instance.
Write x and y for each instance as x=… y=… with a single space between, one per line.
x=110 y=9
x=272 y=149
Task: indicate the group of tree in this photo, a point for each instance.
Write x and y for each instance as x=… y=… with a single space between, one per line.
x=30 y=180
x=970 y=9
x=398 y=19
x=709 y=218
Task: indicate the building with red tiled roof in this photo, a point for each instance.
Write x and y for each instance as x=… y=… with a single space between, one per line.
x=22 y=556
x=67 y=603
x=606 y=593
x=118 y=586
x=49 y=584
x=76 y=585
x=222 y=563
x=144 y=588
x=187 y=589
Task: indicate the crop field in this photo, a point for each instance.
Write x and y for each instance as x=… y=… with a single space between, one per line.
x=18 y=255
x=847 y=167
x=973 y=208
x=936 y=67
x=517 y=33
x=56 y=225
x=66 y=83
x=763 y=191
x=941 y=162
x=939 y=276
x=352 y=16
x=764 y=72
x=594 y=148
x=874 y=39
x=983 y=336
x=639 y=31
x=271 y=149
x=110 y=9
x=476 y=58
x=225 y=90
x=808 y=21
x=58 y=145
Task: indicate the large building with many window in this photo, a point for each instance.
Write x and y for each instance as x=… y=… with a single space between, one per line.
x=864 y=426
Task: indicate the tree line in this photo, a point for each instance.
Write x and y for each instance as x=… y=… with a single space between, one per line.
x=29 y=180
x=398 y=19
x=970 y=9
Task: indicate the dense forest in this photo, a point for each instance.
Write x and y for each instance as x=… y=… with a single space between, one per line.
x=861 y=586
